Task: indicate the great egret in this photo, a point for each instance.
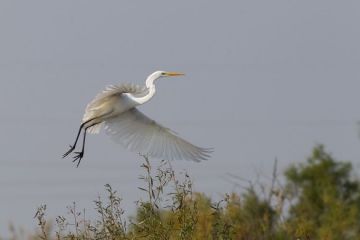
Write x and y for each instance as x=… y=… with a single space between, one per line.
x=115 y=109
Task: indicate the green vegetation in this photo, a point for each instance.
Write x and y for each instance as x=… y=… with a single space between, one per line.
x=318 y=199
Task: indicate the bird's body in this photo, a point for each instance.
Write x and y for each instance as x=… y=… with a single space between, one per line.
x=113 y=101
x=115 y=110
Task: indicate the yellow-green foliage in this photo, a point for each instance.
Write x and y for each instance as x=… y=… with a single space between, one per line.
x=327 y=199
x=318 y=199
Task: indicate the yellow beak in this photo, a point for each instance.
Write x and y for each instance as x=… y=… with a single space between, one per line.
x=172 y=74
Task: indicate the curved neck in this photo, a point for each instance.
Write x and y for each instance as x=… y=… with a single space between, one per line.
x=150 y=88
x=147 y=97
x=141 y=100
x=150 y=81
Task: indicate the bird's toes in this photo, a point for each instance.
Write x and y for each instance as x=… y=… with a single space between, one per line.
x=78 y=156
x=65 y=154
x=69 y=151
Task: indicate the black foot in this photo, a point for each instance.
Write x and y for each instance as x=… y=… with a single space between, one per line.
x=78 y=156
x=68 y=152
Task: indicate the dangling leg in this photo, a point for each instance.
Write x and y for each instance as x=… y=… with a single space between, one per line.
x=79 y=155
x=72 y=147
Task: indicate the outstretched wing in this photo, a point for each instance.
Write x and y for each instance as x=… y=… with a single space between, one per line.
x=137 y=132
x=95 y=107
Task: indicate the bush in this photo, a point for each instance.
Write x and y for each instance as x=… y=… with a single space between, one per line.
x=320 y=200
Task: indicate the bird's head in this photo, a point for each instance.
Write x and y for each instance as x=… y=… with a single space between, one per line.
x=167 y=74
x=160 y=74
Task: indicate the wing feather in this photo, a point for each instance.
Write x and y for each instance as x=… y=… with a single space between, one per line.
x=139 y=133
x=93 y=108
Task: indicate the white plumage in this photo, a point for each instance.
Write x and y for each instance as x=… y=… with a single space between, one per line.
x=138 y=133
x=115 y=110
x=106 y=100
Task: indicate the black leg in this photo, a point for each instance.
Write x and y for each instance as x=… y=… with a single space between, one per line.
x=72 y=147
x=79 y=155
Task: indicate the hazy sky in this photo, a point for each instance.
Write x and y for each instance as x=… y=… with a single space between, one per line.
x=264 y=79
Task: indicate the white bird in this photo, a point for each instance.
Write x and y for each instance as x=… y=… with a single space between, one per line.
x=115 y=110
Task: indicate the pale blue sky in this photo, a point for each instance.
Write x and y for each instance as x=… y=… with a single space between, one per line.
x=264 y=79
